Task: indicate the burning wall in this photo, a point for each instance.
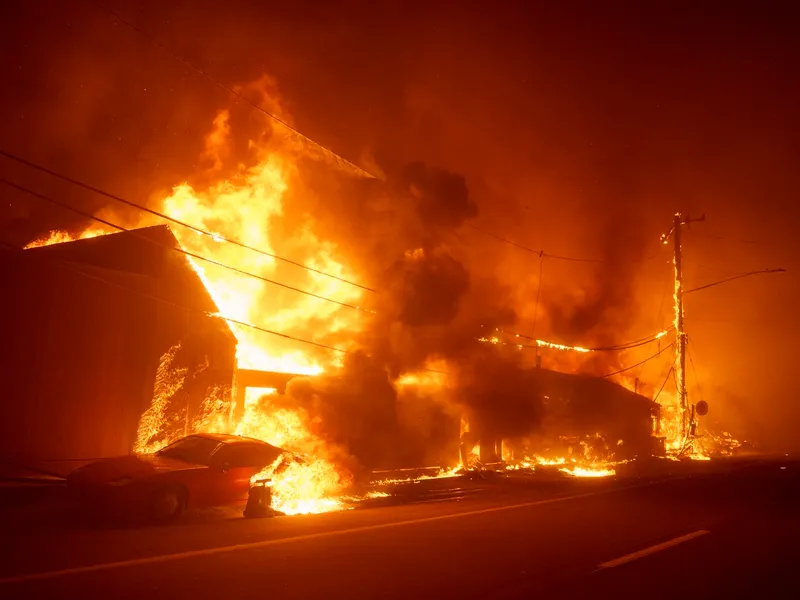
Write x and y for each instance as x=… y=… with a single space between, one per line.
x=90 y=321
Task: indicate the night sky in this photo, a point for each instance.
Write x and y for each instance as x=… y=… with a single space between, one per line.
x=580 y=130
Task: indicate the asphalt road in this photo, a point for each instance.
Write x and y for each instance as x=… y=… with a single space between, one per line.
x=732 y=533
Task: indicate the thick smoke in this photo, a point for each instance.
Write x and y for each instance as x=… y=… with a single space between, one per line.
x=432 y=307
x=600 y=311
x=371 y=423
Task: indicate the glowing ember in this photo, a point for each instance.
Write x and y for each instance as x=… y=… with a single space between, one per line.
x=376 y=494
x=544 y=344
x=442 y=474
x=572 y=466
x=153 y=434
x=585 y=472
x=697 y=456
x=541 y=343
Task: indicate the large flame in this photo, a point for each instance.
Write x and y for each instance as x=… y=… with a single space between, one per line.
x=244 y=208
x=303 y=488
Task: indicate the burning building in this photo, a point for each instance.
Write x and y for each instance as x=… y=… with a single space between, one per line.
x=584 y=418
x=105 y=333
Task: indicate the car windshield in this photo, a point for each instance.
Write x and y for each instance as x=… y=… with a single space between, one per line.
x=193 y=449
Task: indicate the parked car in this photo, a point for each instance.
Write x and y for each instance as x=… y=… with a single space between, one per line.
x=196 y=471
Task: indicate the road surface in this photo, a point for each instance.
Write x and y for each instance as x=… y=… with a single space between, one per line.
x=734 y=533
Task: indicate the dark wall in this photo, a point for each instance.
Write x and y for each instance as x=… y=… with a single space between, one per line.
x=81 y=355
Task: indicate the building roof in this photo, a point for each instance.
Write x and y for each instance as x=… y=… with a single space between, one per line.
x=142 y=261
x=579 y=388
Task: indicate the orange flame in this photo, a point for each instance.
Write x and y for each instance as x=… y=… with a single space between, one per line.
x=59 y=237
x=303 y=488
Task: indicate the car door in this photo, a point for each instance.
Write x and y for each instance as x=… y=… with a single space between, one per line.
x=237 y=463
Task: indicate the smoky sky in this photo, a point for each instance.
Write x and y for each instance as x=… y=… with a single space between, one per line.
x=579 y=129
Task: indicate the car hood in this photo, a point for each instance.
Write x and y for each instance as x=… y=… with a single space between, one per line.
x=138 y=466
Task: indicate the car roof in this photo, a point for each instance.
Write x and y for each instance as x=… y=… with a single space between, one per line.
x=229 y=438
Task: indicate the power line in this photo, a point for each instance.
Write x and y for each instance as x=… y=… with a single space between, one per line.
x=538 y=291
x=538 y=253
x=614 y=348
x=666 y=379
x=230 y=90
x=708 y=285
x=161 y=215
x=178 y=249
x=179 y=306
x=760 y=322
x=542 y=254
x=720 y=238
x=636 y=365
x=635 y=343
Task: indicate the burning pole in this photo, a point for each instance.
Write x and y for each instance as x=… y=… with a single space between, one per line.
x=680 y=333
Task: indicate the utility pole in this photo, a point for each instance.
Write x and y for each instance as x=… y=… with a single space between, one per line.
x=680 y=333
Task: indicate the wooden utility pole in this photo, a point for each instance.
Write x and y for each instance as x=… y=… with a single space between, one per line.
x=680 y=333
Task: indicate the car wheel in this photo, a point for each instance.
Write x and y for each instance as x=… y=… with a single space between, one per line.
x=167 y=504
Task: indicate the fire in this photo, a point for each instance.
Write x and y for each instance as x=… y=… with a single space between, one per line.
x=152 y=435
x=243 y=208
x=59 y=237
x=540 y=343
x=544 y=344
x=586 y=467
x=442 y=473
x=429 y=378
x=299 y=487
x=303 y=488
x=587 y=472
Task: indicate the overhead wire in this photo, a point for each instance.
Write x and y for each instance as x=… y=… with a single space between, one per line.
x=538 y=292
x=542 y=254
x=635 y=343
x=161 y=215
x=539 y=253
x=720 y=238
x=180 y=250
x=637 y=364
x=82 y=273
x=613 y=348
x=666 y=379
x=734 y=277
